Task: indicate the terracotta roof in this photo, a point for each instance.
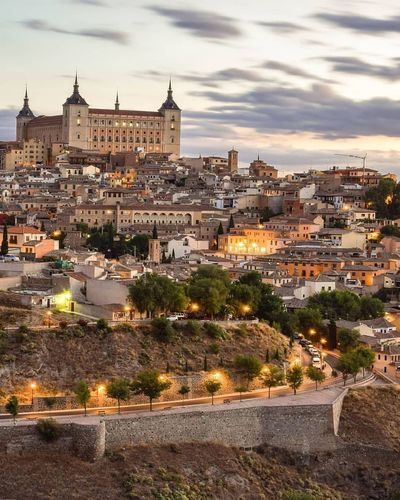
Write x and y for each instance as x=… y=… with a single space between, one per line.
x=46 y=120
x=23 y=230
x=124 y=112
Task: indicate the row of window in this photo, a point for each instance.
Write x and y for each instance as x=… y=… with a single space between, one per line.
x=128 y=124
x=123 y=139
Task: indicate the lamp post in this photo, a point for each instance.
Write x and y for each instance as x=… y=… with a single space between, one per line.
x=33 y=387
x=100 y=390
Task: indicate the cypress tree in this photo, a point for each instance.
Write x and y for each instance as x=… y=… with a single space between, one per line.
x=155 y=233
x=231 y=223
x=4 y=243
x=220 y=229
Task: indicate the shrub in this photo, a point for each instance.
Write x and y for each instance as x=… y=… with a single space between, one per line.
x=214 y=331
x=63 y=325
x=102 y=324
x=3 y=341
x=193 y=327
x=214 y=348
x=48 y=429
x=241 y=330
x=298 y=495
x=82 y=322
x=162 y=329
x=124 y=328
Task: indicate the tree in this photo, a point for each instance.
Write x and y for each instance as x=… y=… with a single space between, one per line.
x=212 y=387
x=272 y=376
x=249 y=366
x=349 y=364
x=12 y=407
x=154 y=234
x=384 y=198
x=231 y=224
x=119 y=389
x=316 y=375
x=220 y=229
x=240 y=389
x=162 y=328
x=366 y=357
x=139 y=245
x=348 y=339
x=294 y=377
x=153 y=294
x=371 y=307
x=4 y=243
x=150 y=383
x=82 y=394
x=307 y=319
x=184 y=391
x=337 y=305
x=243 y=298
x=209 y=288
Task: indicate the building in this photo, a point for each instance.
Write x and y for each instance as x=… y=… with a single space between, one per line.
x=104 y=130
x=233 y=160
x=259 y=168
x=22 y=154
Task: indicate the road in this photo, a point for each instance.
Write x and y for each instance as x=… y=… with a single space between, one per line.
x=262 y=393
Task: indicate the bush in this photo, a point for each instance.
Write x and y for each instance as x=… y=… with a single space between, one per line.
x=298 y=495
x=63 y=325
x=48 y=429
x=162 y=329
x=214 y=331
x=124 y=328
x=102 y=324
x=241 y=330
x=214 y=348
x=82 y=322
x=193 y=327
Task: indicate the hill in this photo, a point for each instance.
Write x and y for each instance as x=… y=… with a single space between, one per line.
x=58 y=358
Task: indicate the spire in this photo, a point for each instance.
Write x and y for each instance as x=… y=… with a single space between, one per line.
x=26 y=111
x=76 y=84
x=117 y=102
x=169 y=103
x=76 y=98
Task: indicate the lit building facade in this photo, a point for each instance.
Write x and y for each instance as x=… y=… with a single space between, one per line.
x=105 y=130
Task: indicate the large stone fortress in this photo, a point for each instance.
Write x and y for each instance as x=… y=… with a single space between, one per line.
x=104 y=130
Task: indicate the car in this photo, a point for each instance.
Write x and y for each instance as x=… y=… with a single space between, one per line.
x=173 y=317
x=179 y=315
x=11 y=258
x=316 y=359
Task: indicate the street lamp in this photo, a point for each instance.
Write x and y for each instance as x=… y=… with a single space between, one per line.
x=128 y=309
x=33 y=387
x=100 y=390
x=246 y=308
x=195 y=307
x=312 y=331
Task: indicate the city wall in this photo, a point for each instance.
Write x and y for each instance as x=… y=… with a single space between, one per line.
x=304 y=423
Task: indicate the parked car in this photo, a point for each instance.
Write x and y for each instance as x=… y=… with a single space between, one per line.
x=11 y=258
x=173 y=317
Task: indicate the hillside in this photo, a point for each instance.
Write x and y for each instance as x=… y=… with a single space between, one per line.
x=57 y=359
x=183 y=472
x=371 y=416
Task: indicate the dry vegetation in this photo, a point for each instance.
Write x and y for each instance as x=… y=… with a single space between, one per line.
x=182 y=472
x=57 y=359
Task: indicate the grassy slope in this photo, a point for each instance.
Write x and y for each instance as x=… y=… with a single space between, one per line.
x=57 y=359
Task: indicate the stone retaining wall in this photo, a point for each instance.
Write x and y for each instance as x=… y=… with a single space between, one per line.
x=303 y=423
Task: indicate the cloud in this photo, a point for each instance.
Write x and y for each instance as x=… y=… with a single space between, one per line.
x=292 y=71
x=94 y=3
x=356 y=66
x=283 y=27
x=118 y=37
x=202 y=24
x=318 y=111
x=362 y=24
x=7 y=124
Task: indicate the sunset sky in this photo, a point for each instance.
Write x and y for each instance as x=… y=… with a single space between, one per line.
x=292 y=81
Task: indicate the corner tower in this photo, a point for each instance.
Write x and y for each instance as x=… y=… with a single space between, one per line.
x=23 y=118
x=172 y=124
x=75 y=128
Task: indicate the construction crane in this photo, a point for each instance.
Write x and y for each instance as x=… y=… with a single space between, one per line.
x=363 y=158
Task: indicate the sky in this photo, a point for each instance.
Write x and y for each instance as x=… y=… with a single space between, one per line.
x=295 y=82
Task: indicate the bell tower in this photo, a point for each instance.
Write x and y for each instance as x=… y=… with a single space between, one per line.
x=75 y=128
x=23 y=118
x=172 y=124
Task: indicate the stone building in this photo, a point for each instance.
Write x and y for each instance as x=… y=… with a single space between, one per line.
x=105 y=130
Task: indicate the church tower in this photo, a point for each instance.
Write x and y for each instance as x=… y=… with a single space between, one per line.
x=172 y=124
x=23 y=118
x=154 y=247
x=233 y=160
x=75 y=129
